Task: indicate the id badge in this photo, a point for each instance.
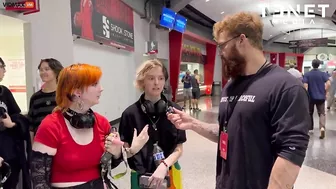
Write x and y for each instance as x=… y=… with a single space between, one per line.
x=223 y=145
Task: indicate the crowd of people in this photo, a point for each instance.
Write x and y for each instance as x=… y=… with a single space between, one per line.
x=262 y=129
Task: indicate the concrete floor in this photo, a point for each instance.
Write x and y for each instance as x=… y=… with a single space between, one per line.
x=198 y=160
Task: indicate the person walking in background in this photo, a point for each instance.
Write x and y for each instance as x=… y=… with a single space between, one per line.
x=332 y=90
x=196 y=92
x=186 y=80
x=317 y=84
x=296 y=73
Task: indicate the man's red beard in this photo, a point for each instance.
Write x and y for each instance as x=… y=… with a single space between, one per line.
x=233 y=65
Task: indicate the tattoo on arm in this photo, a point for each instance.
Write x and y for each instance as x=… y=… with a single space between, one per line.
x=209 y=131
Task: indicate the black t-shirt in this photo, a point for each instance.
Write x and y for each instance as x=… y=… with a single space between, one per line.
x=270 y=119
x=167 y=134
x=8 y=136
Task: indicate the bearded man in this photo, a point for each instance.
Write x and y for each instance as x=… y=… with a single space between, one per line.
x=262 y=133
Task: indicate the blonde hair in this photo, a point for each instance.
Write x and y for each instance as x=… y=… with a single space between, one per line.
x=246 y=23
x=143 y=69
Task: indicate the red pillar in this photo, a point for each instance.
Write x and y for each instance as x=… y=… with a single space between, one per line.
x=209 y=66
x=175 y=52
x=273 y=58
x=299 y=61
x=282 y=59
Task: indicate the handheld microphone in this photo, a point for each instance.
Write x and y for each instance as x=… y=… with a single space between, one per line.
x=106 y=157
x=170 y=110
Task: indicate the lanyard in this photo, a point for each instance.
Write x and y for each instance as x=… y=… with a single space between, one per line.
x=237 y=97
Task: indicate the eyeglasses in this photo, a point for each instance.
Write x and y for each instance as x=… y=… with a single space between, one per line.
x=222 y=45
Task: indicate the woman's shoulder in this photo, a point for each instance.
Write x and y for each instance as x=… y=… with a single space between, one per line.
x=132 y=109
x=53 y=121
x=100 y=117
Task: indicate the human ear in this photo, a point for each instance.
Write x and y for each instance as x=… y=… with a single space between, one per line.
x=78 y=93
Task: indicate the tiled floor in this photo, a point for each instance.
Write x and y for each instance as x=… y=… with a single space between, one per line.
x=198 y=160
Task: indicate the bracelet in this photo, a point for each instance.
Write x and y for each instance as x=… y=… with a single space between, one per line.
x=165 y=163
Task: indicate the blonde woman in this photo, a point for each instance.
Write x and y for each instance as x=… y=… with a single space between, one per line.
x=149 y=113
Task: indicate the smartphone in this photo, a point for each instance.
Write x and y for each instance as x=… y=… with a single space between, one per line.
x=144 y=183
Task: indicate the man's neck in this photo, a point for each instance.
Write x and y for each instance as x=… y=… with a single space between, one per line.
x=255 y=59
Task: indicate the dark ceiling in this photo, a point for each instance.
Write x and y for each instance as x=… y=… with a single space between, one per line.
x=196 y=16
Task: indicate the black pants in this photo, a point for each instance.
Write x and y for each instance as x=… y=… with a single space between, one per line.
x=94 y=184
x=13 y=179
x=320 y=106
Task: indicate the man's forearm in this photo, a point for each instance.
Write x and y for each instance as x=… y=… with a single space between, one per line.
x=209 y=131
x=284 y=174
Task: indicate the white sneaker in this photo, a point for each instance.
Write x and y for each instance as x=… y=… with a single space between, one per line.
x=322 y=133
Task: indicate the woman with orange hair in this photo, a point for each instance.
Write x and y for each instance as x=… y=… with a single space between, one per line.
x=70 y=142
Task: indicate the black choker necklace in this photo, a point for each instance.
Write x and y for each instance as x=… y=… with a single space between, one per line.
x=79 y=120
x=72 y=112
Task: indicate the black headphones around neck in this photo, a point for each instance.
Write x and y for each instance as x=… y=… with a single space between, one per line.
x=80 y=121
x=151 y=108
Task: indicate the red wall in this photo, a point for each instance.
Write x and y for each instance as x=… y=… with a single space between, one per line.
x=209 y=66
x=175 y=52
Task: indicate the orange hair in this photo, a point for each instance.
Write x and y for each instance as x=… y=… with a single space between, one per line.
x=246 y=23
x=77 y=76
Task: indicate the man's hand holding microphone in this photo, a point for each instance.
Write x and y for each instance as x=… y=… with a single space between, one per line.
x=180 y=119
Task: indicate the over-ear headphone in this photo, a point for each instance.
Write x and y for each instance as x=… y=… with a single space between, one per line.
x=151 y=108
x=80 y=121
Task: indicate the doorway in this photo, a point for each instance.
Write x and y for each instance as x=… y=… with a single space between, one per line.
x=13 y=53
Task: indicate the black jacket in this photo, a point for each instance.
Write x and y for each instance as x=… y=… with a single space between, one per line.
x=15 y=143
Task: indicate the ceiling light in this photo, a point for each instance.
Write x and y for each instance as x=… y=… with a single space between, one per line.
x=271 y=35
x=207 y=0
x=222 y=12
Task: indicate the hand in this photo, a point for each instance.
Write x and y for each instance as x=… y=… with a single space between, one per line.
x=139 y=141
x=181 y=120
x=111 y=146
x=77 y=19
x=8 y=123
x=158 y=176
x=1 y=160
